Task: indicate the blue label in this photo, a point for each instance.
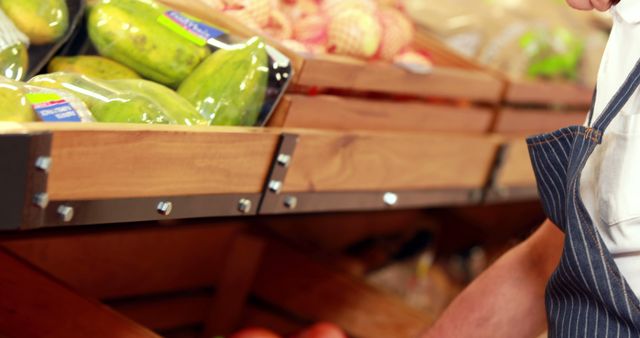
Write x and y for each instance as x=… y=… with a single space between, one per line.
x=57 y=111
x=189 y=28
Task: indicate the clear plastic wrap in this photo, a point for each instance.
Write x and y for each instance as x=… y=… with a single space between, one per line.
x=229 y=87
x=127 y=101
x=524 y=38
x=129 y=32
x=21 y=102
x=97 y=67
x=230 y=81
x=43 y=21
x=14 y=58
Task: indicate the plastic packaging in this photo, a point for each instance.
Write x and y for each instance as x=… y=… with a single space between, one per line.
x=229 y=87
x=43 y=21
x=21 y=102
x=14 y=58
x=92 y=66
x=127 y=101
x=231 y=81
x=525 y=38
x=129 y=32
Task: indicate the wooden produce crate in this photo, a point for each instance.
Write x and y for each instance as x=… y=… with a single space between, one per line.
x=66 y=174
x=374 y=87
x=365 y=170
x=78 y=174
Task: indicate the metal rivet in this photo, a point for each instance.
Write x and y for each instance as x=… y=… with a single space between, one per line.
x=65 y=212
x=43 y=163
x=284 y=160
x=244 y=205
x=41 y=199
x=275 y=186
x=390 y=199
x=164 y=208
x=291 y=202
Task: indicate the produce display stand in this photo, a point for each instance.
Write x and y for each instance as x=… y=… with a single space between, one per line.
x=68 y=174
x=347 y=136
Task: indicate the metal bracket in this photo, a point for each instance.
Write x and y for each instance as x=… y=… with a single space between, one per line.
x=271 y=199
x=341 y=201
x=61 y=213
x=24 y=168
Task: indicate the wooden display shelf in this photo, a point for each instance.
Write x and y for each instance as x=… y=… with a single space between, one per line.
x=513 y=176
x=333 y=171
x=548 y=93
x=352 y=75
x=535 y=121
x=340 y=113
x=110 y=173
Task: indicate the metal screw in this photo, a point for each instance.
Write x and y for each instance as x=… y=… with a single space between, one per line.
x=275 y=186
x=164 y=208
x=284 y=160
x=65 y=212
x=390 y=199
x=43 y=163
x=244 y=205
x=291 y=202
x=41 y=199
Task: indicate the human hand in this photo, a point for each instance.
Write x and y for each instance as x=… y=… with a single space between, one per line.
x=601 y=5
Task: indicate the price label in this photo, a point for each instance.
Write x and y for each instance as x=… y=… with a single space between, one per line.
x=52 y=108
x=189 y=28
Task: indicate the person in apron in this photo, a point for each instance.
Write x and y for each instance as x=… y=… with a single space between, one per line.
x=579 y=274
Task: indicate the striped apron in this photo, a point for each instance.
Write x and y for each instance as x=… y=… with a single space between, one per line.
x=586 y=295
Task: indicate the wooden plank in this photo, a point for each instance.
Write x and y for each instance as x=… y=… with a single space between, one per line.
x=167 y=312
x=330 y=112
x=34 y=306
x=375 y=161
x=450 y=83
x=314 y=292
x=516 y=170
x=237 y=276
x=94 y=165
x=521 y=121
x=550 y=93
x=113 y=264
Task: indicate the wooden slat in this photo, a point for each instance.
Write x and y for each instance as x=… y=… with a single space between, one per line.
x=448 y=83
x=34 y=306
x=314 y=292
x=118 y=164
x=516 y=170
x=237 y=276
x=168 y=312
x=376 y=161
x=542 y=92
x=129 y=263
x=525 y=121
x=329 y=112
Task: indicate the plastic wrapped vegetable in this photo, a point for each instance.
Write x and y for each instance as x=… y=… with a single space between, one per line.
x=229 y=87
x=43 y=21
x=14 y=59
x=25 y=103
x=97 y=67
x=129 y=32
x=130 y=101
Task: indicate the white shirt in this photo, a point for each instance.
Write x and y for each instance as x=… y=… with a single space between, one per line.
x=610 y=181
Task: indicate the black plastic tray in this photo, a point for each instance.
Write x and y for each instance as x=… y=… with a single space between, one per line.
x=39 y=56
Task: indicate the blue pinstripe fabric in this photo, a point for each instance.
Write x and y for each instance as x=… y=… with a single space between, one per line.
x=586 y=295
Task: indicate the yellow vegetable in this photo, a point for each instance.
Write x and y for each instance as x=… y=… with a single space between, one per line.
x=43 y=21
x=92 y=66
